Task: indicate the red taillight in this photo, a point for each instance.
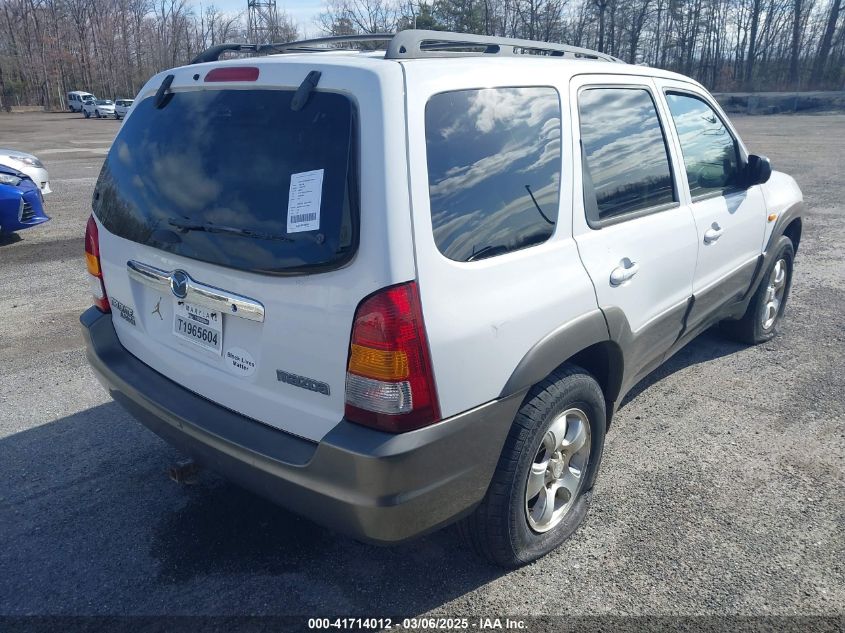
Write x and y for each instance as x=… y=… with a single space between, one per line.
x=389 y=381
x=95 y=272
x=233 y=73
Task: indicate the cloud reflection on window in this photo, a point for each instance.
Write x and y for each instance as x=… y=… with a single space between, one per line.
x=709 y=150
x=626 y=156
x=489 y=152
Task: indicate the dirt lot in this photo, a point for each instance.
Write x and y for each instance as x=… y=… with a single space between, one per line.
x=722 y=492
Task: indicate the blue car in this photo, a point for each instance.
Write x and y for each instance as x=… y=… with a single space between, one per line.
x=21 y=205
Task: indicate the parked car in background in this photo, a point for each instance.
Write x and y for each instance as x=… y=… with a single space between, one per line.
x=100 y=108
x=76 y=98
x=21 y=203
x=121 y=108
x=28 y=164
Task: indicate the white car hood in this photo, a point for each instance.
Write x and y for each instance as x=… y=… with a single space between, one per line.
x=11 y=158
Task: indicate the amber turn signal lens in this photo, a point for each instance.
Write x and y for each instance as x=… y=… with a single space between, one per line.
x=377 y=363
x=773 y=217
x=93 y=264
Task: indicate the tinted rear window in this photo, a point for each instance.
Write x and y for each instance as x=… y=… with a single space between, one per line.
x=233 y=178
x=493 y=169
x=626 y=161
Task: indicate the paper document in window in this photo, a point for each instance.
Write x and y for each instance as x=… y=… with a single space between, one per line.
x=306 y=192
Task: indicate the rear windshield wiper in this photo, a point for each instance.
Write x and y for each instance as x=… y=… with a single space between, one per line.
x=209 y=227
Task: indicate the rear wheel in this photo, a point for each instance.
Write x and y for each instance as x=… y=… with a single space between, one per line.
x=761 y=319
x=540 y=491
x=85 y=114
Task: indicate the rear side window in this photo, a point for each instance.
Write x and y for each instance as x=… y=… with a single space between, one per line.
x=625 y=158
x=493 y=169
x=710 y=152
x=236 y=178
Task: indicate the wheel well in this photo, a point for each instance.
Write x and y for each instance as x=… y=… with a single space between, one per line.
x=604 y=361
x=793 y=232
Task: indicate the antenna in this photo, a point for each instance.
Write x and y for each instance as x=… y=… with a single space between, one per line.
x=262 y=21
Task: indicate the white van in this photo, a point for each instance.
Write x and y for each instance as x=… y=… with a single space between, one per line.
x=76 y=98
x=393 y=290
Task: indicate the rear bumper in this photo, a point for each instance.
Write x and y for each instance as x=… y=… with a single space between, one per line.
x=374 y=486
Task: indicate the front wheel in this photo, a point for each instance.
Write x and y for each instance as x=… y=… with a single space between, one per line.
x=761 y=319
x=541 y=489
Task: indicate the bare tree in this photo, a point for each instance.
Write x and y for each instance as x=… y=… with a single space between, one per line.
x=111 y=47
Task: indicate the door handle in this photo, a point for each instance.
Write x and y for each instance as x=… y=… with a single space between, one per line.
x=713 y=233
x=625 y=271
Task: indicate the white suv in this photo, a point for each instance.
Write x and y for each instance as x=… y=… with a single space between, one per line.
x=121 y=108
x=392 y=290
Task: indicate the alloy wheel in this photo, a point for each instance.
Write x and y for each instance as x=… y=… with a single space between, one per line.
x=774 y=294
x=558 y=470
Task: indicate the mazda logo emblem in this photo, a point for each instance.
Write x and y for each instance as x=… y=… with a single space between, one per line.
x=179 y=283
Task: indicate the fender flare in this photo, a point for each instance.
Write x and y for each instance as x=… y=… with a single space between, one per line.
x=785 y=218
x=555 y=348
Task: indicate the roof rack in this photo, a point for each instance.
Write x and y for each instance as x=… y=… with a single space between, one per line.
x=213 y=54
x=417 y=43
x=414 y=44
x=315 y=45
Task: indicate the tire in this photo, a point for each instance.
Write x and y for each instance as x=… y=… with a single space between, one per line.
x=97 y=114
x=761 y=319
x=116 y=118
x=85 y=114
x=507 y=528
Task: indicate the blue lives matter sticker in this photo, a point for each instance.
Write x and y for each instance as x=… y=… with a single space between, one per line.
x=124 y=311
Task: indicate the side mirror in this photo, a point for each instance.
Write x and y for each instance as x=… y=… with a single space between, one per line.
x=758 y=170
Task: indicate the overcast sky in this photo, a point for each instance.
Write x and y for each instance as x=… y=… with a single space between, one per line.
x=302 y=11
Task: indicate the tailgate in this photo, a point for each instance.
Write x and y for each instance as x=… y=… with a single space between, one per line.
x=238 y=235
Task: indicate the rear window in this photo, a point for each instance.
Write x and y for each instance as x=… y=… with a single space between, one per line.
x=236 y=178
x=493 y=169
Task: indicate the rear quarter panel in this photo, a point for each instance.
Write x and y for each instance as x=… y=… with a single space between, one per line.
x=483 y=317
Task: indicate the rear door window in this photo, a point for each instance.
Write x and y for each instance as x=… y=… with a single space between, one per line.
x=236 y=178
x=493 y=169
x=625 y=156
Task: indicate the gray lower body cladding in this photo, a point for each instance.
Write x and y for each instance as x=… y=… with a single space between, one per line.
x=375 y=486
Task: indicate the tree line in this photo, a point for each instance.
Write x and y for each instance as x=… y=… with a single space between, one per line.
x=111 y=47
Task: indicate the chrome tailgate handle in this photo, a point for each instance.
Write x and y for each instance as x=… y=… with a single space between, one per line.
x=183 y=286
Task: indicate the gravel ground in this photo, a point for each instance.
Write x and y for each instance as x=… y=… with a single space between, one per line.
x=722 y=489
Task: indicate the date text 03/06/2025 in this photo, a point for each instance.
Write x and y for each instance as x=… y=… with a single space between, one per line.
x=423 y=623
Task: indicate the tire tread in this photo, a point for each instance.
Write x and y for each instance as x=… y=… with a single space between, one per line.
x=486 y=535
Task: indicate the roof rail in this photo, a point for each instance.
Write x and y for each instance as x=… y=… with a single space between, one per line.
x=315 y=45
x=415 y=44
x=213 y=54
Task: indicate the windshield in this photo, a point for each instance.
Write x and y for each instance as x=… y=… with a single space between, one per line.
x=104 y=102
x=236 y=178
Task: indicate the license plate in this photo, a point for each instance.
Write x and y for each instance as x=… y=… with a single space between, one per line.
x=198 y=325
